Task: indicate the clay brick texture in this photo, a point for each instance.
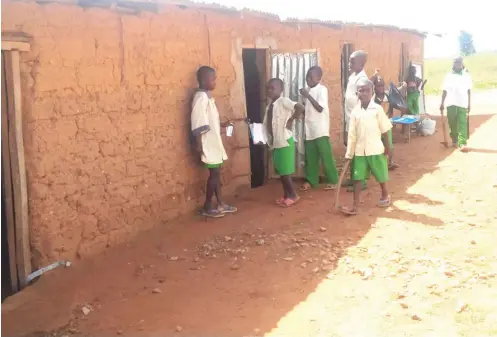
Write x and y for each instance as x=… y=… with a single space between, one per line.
x=106 y=98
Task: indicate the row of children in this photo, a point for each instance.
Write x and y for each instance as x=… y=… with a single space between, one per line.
x=368 y=135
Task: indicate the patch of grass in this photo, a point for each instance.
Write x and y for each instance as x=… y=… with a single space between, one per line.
x=481 y=66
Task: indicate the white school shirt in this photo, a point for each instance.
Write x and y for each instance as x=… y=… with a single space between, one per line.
x=317 y=124
x=457 y=86
x=206 y=123
x=283 y=109
x=351 y=99
x=366 y=128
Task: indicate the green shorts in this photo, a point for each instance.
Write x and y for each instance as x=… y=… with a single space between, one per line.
x=365 y=165
x=213 y=166
x=284 y=159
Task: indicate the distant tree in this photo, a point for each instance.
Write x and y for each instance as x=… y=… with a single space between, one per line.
x=466 y=45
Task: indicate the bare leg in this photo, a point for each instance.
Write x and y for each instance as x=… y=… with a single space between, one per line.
x=285 y=188
x=357 y=194
x=288 y=186
x=384 y=191
x=212 y=184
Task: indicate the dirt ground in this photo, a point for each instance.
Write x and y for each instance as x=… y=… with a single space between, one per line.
x=424 y=267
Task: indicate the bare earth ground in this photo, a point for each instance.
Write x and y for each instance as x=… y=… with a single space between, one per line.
x=424 y=267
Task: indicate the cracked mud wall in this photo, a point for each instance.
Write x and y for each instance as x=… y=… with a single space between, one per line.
x=106 y=111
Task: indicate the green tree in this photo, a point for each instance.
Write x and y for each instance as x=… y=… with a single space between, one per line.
x=466 y=45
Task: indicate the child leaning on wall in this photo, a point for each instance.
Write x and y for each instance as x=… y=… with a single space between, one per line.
x=206 y=127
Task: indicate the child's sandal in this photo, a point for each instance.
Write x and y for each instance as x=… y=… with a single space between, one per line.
x=383 y=203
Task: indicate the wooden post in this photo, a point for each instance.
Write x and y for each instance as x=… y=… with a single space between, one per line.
x=14 y=117
x=7 y=179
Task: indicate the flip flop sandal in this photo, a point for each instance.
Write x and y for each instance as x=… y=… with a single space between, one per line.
x=330 y=187
x=212 y=213
x=305 y=187
x=289 y=202
x=227 y=209
x=280 y=201
x=385 y=203
x=347 y=211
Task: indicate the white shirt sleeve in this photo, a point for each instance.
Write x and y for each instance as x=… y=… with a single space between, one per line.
x=469 y=82
x=288 y=105
x=445 y=83
x=352 y=137
x=199 y=119
x=383 y=121
x=322 y=98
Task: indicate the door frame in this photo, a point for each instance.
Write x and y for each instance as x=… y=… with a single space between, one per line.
x=344 y=81
x=12 y=45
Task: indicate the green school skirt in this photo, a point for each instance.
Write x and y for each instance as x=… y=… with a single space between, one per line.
x=284 y=159
x=365 y=165
x=213 y=166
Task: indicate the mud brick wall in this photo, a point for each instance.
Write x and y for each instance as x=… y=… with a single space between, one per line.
x=106 y=110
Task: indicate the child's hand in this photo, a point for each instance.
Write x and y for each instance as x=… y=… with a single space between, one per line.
x=387 y=151
x=304 y=93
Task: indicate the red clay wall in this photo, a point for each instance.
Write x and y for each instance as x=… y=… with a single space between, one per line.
x=106 y=115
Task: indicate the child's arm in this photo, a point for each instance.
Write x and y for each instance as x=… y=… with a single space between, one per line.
x=199 y=120
x=385 y=125
x=352 y=138
x=311 y=100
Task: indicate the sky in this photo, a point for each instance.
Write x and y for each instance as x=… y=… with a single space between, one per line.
x=433 y=16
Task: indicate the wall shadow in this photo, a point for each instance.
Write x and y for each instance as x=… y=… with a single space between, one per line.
x=236 y=276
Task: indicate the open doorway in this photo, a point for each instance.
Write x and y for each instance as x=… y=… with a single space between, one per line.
x=254 y=70
x=347 y=50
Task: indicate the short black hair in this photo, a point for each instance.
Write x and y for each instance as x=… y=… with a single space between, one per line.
x=317 y=69
x=280 y=82
x=202 y=71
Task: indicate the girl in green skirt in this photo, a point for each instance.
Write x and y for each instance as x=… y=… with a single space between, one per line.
x=278 y=122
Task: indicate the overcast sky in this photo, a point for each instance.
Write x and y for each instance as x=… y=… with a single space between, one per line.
x=436 y=16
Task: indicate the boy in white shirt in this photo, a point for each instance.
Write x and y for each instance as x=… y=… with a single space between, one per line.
x=357 y=63
x=317 y=132
x=457 y=97
x=278 y=123
x=367 y=145
x=206 y=127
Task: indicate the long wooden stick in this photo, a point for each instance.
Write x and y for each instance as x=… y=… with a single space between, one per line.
x=340 y=181
x=445 y=142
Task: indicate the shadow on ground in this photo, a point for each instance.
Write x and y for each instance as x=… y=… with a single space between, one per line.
x=236 y=276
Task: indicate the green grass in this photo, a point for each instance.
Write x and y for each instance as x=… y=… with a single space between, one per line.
x=481 y=66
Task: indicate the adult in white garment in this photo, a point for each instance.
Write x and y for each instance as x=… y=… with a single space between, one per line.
x=357 y=62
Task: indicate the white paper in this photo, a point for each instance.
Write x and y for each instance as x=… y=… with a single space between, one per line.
x=257 y=133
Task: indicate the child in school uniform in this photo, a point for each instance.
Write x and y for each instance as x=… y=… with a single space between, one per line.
x=317 y=133
x=277 y=126
x=381 y=98
x=206 y=127
x=367 y=145
x=456 y=96
x=357 y=62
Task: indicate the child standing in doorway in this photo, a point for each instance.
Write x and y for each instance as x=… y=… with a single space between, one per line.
x=357 y=62
x=206 y=127
x=367 y=145
x=278 y=122
x=317 y=132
